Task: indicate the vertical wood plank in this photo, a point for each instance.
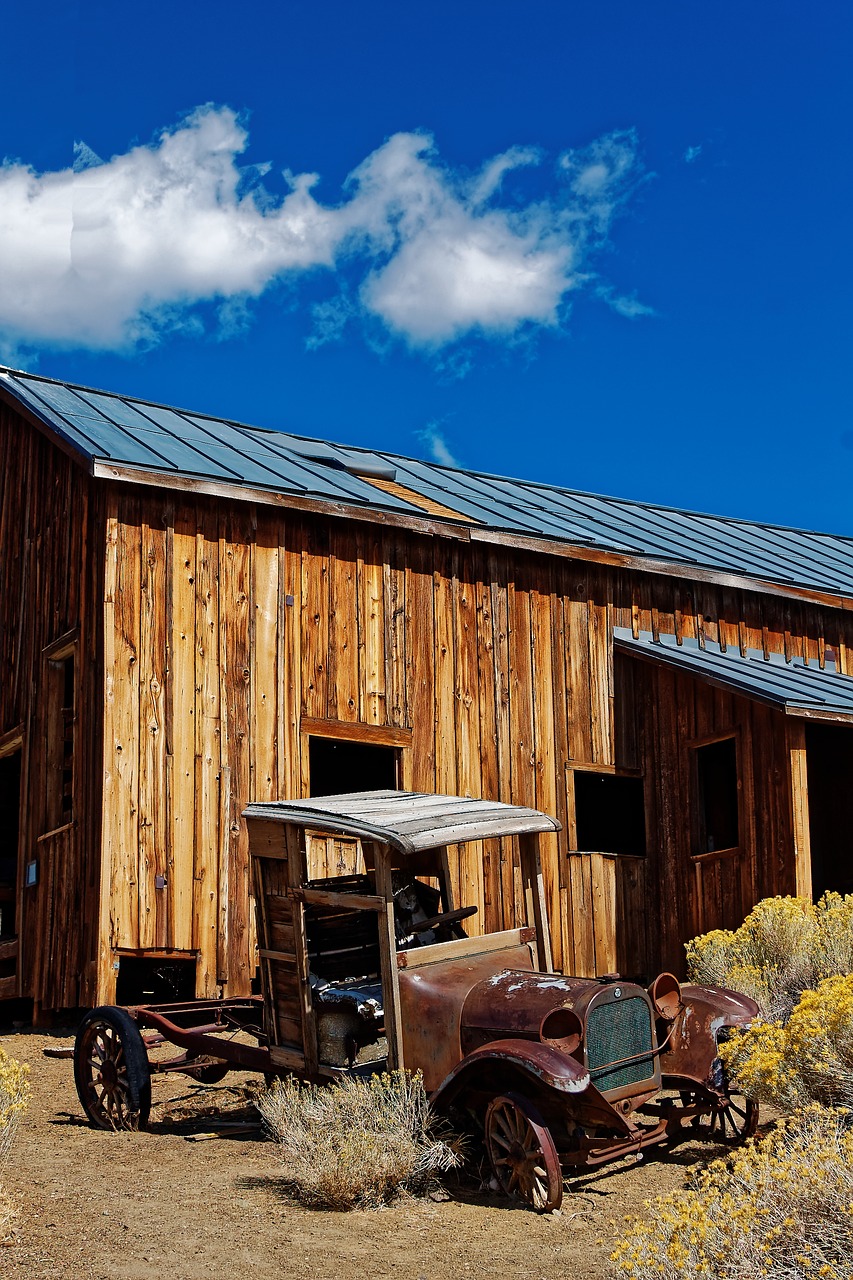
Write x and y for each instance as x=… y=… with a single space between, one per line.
x=534 y=894
x=182 y=732
x=154 y=924
x=798 y=798
x=388 y=959
x=207 y=758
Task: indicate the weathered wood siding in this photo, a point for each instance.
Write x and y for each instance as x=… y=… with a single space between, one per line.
x=689 y=891
x=49 y=578
x=229 y=628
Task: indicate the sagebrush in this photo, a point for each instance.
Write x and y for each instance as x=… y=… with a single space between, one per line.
x=14 y=1099
x=358 y=1142
x=784 y=947
x=781 y=1207
x=809 y=1058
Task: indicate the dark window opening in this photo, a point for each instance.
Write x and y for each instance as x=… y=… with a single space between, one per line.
x=610 y=813
x=829 y=765
x=10 y=808
x=148 y=980
x=337 y=766
x=60 y=742
x=717 y=785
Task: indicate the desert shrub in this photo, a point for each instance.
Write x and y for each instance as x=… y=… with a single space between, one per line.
x=808 y=1059
x=784 y=947
x=358 y=1142
x=14 y=1099
x=781 y=1207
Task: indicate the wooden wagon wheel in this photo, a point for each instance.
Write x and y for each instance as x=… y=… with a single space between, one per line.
x=522 y=1153
x=730 y=1119
x=111 y=1070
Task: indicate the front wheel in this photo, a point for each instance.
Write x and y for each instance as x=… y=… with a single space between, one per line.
x=730 y=1119
x=111 y=1070
x=522 y=1153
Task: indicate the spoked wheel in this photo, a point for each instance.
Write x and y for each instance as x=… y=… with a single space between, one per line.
x=731 y=1120
x=111 y=1070
x=522 y=1153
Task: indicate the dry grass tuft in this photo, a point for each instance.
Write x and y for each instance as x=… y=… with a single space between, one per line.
x=782 y=1207
x=358 y=1143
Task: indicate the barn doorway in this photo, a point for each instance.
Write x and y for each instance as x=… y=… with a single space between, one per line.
x=829 y=763
x=337 y=765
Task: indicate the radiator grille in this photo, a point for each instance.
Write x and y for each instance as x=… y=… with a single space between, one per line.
x=615 y=1030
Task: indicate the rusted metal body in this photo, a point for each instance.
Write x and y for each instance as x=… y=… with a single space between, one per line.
x=377 y=972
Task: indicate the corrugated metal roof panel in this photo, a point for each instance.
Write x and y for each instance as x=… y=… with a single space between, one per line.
x=136 y=433
x=409 y=821
x=795 y=687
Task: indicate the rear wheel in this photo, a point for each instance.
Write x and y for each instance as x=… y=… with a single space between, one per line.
x=522 y=1153
x=111 y=1070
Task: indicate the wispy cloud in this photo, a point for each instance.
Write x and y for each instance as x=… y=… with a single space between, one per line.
x=439 y=451
x=111 y=255
x=693 y=153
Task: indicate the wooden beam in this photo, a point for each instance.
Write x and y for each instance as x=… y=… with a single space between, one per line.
x=534 y=895
x=12 y=741
x=459 y=948
x=297 y=873
x=388 y=959
x=352 y=731
x=798 y=799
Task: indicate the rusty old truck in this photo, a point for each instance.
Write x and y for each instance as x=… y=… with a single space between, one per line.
x=378 y=967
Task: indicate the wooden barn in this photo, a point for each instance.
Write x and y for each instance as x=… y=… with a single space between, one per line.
x=196 y=614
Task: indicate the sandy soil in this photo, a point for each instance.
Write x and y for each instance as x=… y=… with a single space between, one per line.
x=124 y=1206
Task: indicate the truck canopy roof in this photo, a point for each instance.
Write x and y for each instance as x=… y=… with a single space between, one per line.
x=408 y=821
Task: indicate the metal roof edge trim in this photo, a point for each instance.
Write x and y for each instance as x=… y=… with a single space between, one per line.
x=103 y=469
x=646 y=650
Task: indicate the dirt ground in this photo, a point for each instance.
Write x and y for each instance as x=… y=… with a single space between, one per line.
x=140 y=1206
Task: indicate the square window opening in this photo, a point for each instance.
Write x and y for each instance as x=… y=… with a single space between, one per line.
x=610 y=813
x=717 y=794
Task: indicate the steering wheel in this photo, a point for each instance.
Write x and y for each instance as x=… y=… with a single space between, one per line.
x=445 y=918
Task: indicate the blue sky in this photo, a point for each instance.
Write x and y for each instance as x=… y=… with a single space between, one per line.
x=606 y=245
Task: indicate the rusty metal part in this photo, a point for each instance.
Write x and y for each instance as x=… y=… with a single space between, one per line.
x=432 y=999
x=691 y=1056
x=522 y=1152
x=189 y=1026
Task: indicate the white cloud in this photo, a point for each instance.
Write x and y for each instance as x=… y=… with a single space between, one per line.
x=693 y=153
x=437 y=445
x=111 y=254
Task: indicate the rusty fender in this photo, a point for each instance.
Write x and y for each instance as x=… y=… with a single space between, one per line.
x=692 y=1051
x=730 y=1008
x=547 y=1066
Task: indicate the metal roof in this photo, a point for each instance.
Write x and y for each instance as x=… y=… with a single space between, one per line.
x=796 y=687
x=159 y=441
x=409 y=821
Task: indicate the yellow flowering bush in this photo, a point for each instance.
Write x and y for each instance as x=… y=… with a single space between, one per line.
x=809 y=1058
x=781 y=1207
x=14 y=1099
x=785 y=946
